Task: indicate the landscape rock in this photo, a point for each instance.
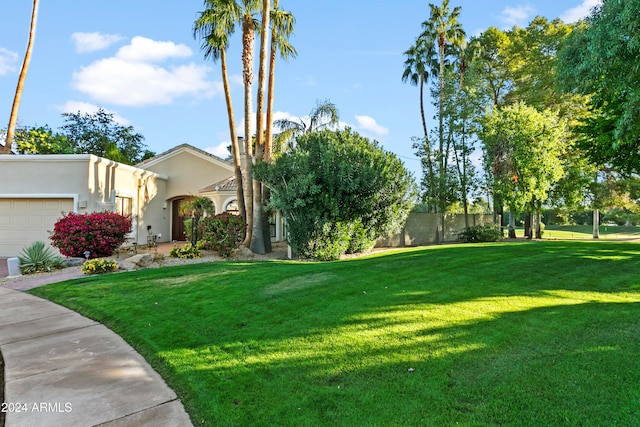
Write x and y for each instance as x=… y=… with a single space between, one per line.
x=242 y=253
x=127 y=266
x=141 y=260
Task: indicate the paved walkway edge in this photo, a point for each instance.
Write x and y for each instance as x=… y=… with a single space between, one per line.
x=62 y=369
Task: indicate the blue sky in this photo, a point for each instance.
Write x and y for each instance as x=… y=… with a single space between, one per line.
x=139 y=60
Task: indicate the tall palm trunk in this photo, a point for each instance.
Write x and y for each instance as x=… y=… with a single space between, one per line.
x=248 y=40
x=268 y=135
x=235 y=149
x=427 y=145
x=268 y=138
x=441 y=155
x=13 y=118
x=257 y=237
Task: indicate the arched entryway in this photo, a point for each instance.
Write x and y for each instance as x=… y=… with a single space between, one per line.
x=177 y=220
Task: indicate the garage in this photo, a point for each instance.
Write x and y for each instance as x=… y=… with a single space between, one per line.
x=27 y=220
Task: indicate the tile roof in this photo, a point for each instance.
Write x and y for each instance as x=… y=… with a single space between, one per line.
x=228 y=184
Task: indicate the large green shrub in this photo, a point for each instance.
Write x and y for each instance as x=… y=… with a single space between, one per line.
x=329 y=242
x=39 y=258
x=339 y=192
x=99 y=233
x=223 y=232
x=480 y=233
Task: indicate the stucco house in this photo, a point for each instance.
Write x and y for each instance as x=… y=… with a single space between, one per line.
x=36 y=189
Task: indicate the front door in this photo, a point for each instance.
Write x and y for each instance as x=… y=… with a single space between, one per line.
x=177 y=228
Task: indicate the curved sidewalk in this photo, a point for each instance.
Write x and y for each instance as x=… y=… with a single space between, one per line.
x=62 y=369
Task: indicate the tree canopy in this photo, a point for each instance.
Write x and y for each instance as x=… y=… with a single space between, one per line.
x=523 y=149
x=600 y=59
x=339 y=192
x=100 y=134
x=84 y=133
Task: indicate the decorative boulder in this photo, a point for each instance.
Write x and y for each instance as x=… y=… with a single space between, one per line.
x=141 y=260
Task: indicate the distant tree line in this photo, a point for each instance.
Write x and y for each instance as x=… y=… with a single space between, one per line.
x=84 y=133
x=553 y=108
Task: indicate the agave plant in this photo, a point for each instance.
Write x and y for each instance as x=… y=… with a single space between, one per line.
x=39 y=258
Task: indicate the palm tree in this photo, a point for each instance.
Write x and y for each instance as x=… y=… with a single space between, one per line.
x=13 y=118
x=443 y=27
x=257 y=244
x=420 y=65
x=281 y=28
x=249 y=27
x=232 y=12
x=214 y=26
x=282 y=23
x=324 y=114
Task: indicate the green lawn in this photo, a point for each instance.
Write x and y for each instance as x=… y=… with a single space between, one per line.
x=607 y=232
x=532 y=333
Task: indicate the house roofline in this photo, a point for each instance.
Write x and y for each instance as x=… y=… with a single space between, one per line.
x=180 y=149
x=77 y=158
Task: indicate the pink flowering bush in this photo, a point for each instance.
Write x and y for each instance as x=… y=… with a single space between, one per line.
x=223 y=232
x=100 y=233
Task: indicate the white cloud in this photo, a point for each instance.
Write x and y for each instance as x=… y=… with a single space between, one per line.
x=369 y=125
x=131 y=78
x=517 y=15
x=579 y=12
x=92 y=42
x=87 y=108
x=143 y=49
x=219 y=150
x=8 y=60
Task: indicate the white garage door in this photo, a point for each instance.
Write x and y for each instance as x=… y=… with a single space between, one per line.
x=24 y=221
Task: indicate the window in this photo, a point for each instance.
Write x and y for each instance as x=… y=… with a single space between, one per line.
x=272 y=224
x=232 y=208
x=123 y=205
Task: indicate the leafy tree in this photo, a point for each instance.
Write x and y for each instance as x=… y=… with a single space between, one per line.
x=41 y=140
x=462 y=127
x=491 y=65
x=532 y=61
x=338 y=192
x=523 y=149
x=519 y=65
x=214 y=26
x=99 y=134
x=13 y=118
x=598 y=60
